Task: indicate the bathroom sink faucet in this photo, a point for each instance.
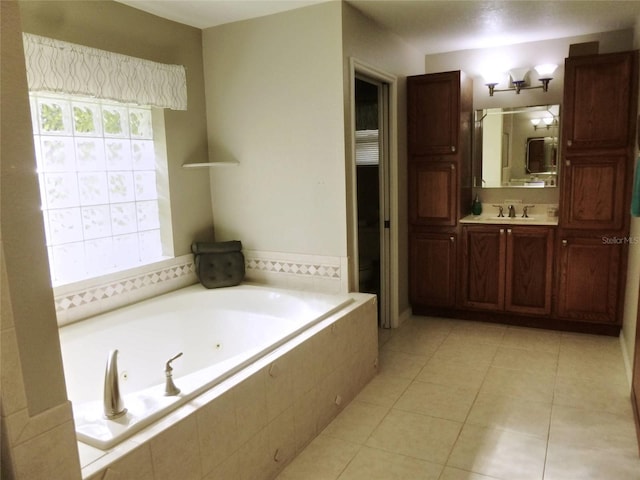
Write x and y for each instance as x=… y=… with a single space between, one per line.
x=525 y=210
x=500 y=210
x=512 y=211
x=113 y=403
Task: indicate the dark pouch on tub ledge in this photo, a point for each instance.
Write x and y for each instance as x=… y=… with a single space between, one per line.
x=219 y=264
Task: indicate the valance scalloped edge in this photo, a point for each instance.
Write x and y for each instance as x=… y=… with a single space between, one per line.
x=62 y=67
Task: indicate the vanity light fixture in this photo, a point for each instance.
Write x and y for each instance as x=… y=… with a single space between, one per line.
x=519 y=81
x=547 y=121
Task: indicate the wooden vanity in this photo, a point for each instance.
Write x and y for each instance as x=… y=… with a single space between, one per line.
x=567 y=273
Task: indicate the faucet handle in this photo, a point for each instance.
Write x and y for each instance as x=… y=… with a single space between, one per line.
x=525 y=210
x=168 y=366
x=500 y=210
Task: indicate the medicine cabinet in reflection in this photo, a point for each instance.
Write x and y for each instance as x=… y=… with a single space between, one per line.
x=516 y=147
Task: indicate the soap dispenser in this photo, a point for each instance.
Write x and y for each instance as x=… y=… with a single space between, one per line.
x=476 y=206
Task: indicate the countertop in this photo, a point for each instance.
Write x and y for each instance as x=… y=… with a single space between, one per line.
x=493 y=219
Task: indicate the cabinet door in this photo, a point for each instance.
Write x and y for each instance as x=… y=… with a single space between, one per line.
x=588 y=278
x=593 y=193
x=433 y=109
x=433 y=193
x=483 y=263
x=599 y=93
x=529 y=270
x=433 y=269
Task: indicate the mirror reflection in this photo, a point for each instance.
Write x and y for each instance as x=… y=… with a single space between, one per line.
x=517 y=147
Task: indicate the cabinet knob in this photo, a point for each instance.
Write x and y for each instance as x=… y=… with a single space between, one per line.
x=564 y=243
x=502 y=231
x=567 y=163
x=453 y=148
x=453 y=167
x=452 y=238
x=569 y=143
x=509 y=231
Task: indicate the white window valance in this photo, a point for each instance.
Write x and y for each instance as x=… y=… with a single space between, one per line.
x=62 y=67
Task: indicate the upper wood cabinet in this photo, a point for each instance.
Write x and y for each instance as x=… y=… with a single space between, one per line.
x=433 y=110
x=600 y=97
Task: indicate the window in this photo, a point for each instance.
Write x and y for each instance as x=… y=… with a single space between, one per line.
x=101 y=184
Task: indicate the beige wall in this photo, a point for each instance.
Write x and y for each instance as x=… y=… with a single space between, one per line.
x=274 y=104
x=366 y=42
x=118 y=28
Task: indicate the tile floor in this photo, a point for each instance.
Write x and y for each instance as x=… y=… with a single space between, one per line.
x=458 y=400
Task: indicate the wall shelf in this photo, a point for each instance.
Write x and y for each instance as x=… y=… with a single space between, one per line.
x=210 y=164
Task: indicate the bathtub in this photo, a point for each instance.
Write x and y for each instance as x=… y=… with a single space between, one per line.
x=220 y=332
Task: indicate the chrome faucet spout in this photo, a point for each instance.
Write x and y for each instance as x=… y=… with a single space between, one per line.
x=113 y=403
x=512 y=211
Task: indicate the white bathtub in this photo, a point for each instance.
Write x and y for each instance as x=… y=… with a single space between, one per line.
x=219 y=332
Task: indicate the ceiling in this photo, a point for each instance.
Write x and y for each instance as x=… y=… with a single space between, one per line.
x=431 y=26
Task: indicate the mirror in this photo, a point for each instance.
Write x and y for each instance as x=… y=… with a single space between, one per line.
x=517 y=147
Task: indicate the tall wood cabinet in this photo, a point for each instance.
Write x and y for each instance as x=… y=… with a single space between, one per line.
x=439 y=111
x=598 y=138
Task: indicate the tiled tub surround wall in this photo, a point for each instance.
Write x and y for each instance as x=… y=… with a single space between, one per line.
x=294 y=271
x=252 y=424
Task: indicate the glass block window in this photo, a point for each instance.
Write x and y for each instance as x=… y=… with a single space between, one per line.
x=99 y=185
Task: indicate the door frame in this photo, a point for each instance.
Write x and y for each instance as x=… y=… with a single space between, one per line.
x=389 y=254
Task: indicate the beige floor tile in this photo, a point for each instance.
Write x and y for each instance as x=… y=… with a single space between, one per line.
x=532 y=339
x=450 y=473
x=401 y=364
x=535 y=387
x=444 y=372
x=415 y=435
x=594 y=365
x=511 y=413
x=536 y=361
x=499 y=453
x=356 y=422
x=479 y=332
x=374 y=464
x=464 y=350
x=441 y=401
x=384 y=390
x=593 y=394
x=415 y=341
x=580 y=428
x=324 y=459
x=567 y=463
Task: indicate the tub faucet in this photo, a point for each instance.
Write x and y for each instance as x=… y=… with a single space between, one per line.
x=113 y=404
x=170 y=388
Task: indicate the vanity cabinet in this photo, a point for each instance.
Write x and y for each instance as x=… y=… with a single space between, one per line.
x=507 y=268
x=439 y=114
x=433 y=270
x=589 y=278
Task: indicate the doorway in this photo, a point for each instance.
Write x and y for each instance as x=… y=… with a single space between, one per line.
x=371 y=112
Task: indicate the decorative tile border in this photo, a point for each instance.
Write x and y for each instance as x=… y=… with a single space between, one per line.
x=295 y=268
x=287 y=270
x=83 y=297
